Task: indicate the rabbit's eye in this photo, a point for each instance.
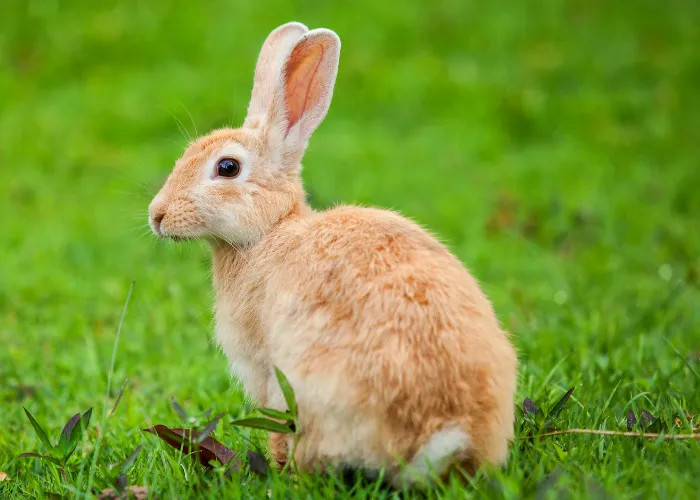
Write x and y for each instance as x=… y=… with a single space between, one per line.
x=228 y=167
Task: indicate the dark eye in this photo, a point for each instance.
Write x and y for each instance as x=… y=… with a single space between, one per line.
x=228 y=167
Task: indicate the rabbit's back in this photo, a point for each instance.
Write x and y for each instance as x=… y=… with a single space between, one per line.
x=387 y=337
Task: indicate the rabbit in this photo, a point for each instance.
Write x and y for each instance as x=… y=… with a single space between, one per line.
x=395 y=354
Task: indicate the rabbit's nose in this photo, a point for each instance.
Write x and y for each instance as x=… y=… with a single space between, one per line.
x=157 y=219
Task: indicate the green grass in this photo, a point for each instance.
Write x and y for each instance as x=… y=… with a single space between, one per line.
x=552 y=145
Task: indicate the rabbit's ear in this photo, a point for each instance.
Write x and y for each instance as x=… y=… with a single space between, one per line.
x=272 y=56
x=303 y=93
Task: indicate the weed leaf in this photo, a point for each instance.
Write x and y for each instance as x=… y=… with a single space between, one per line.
x=631 y=420
x=179 y=410
x=548 y=486
x=119 y=398
x=67 y=455
x=529 y=408
x=41 y=457
x=554 y=413
x=658 y=426
x=79 y=429
x=129 y=462
x=52 y=460
x=39 y=431
x=647 y=418
x=264 y=424
x=287 y=391
x=257 y=463
x=66 y=433
x=269 y=412
x=204 y=433
x=292 y=425
x=122 y=482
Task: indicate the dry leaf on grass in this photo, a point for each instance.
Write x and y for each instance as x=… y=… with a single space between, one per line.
x=207 y=450
x=3 y=477
x=133 y=492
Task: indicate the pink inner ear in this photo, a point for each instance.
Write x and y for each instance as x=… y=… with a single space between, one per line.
x=304 y=86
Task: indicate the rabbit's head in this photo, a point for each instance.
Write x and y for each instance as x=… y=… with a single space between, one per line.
x=234 y=185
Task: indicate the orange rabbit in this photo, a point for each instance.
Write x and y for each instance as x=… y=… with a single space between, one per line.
x=395 y=354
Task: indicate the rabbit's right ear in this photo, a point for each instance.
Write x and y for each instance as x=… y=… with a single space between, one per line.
x=303 y=95
x=272 y=56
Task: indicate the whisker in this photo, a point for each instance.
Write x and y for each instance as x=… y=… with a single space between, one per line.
x=180 y=126
x=196 y=133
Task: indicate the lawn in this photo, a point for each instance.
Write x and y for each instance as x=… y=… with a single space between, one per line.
x=552 y=145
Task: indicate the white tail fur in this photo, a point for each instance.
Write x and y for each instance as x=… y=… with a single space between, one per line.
x=436 y=455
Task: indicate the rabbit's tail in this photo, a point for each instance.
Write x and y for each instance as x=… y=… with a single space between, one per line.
x=435 y=457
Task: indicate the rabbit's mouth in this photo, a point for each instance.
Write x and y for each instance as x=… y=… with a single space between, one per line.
x=178 y=239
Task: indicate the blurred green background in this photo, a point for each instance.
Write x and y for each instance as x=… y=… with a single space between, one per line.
x=553 y=145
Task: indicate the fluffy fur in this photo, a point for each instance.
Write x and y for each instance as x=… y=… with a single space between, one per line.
x=395 y=353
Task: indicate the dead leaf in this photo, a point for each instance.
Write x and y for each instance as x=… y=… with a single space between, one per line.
x=503 y=216
x=209 y=449
x=133 y=492
x=532 y=225
x=4 y=477
x=22 y=392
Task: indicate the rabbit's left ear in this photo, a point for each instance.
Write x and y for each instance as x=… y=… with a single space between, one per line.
x=304 y=91
x=267 y=70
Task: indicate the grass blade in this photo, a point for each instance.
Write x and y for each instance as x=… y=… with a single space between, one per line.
x=601 y=416
x=683 y=358
x=96 y=455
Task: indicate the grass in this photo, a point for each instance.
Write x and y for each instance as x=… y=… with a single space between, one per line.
x=552 y=145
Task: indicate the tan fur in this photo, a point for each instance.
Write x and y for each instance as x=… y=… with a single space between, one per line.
x=384 y=335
